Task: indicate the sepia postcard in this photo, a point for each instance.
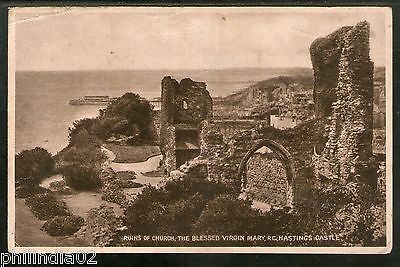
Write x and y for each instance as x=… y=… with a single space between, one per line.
x=200 y=129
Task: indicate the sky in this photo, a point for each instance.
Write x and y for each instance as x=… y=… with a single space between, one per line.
x=179 y=38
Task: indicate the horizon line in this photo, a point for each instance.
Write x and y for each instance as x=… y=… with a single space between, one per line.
x=183 y=69
x=164 y=69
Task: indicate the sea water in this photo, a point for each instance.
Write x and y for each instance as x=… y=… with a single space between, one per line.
x=43 y=113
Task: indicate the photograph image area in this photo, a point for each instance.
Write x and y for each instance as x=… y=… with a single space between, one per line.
x=188 y=129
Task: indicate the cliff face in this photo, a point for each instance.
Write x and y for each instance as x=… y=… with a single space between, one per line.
x=267 y=91
x=290 y=96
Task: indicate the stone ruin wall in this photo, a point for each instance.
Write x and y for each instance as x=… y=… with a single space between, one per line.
x=169 y=148
x=224 y=157
x=183 y=105
x=222 y=151
x=198 y=101
x=267 y=180
x=174 y=94
x=231 y=128
x=343 y=93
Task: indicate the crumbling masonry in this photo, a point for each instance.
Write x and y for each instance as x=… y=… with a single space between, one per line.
x=184 y=106
x=342 y=143
x=343 y=93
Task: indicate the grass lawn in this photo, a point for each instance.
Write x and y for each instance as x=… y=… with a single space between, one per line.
x=28 y=233
x=155 y=173
x=126 y=175
x=132 y=154
x=27 y=228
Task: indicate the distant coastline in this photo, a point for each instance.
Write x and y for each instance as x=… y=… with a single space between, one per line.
x=42 y=97
x=43 y=114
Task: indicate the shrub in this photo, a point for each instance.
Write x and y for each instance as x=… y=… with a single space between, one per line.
x=132 y=109
x=46 y=206
x=113 y=193
x=83 y=138
x=88 y=155
x=159 y=217
x=80 y=163
x=227 y=215
x=129 y=115
x=101 y=226
x=182 y=189
x=63 y=225
x=24 y=191
x=60 y=187
x=111 y=187
x=129 y=184
x=171 y=209
x=194 y=206
x=83 y=125
x=33 y=165
x=81 y=177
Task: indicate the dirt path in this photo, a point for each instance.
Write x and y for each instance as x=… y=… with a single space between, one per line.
x=139 y=168
x=27 y=226
x=80 y=203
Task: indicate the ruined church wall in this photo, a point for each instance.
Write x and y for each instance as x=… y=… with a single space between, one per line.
x=231 y=128
x=224 y=157
x=192 y=102
x=348 y=149
x=169 y=149
x=267 y=180
x=183 y=105
x=168 y=88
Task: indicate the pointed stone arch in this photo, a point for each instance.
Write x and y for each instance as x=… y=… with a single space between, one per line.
x=283 y=155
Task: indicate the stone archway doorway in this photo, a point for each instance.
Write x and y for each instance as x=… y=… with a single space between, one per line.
x=267 y=174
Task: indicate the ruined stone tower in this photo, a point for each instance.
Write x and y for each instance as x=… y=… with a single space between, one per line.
x=343 y=94
x=184 y=106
